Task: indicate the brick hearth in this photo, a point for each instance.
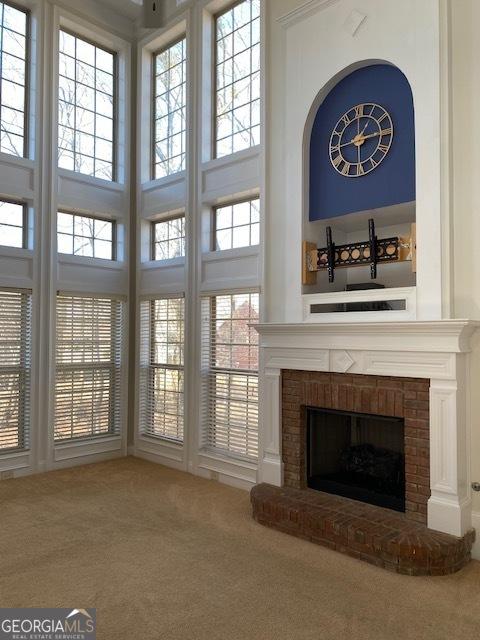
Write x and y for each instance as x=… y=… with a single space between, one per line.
x=406 y=398
x=379 y=536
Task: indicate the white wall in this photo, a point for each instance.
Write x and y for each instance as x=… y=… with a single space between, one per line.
x=309 y=44
x=465 y=196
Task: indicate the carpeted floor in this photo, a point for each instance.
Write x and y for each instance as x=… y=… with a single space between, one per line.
x=165 y=555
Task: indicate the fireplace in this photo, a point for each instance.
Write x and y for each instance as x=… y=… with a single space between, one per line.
x=411 y=376
x=356 y=455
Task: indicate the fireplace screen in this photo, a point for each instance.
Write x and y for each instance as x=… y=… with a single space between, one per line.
x=356 y=455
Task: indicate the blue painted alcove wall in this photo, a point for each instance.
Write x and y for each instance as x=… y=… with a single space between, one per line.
x=393 y=181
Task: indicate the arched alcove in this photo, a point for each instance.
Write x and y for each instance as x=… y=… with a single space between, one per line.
x=332 y=194
x=385 y=192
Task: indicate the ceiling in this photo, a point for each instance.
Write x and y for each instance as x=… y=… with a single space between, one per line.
x=128 y=8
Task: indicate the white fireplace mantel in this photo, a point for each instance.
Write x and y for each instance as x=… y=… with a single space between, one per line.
x=436 y=350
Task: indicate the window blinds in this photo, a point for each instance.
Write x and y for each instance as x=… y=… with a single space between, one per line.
x=15 y=353
x=88 y=366
x=162 y=337
x=230 y=374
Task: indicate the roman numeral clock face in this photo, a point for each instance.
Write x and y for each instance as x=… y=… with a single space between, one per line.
x=360 y=140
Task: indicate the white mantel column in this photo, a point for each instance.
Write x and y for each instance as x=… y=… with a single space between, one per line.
x=449 y=506
x=271 y=467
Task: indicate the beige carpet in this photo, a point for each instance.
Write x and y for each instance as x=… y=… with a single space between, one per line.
x=165 y=555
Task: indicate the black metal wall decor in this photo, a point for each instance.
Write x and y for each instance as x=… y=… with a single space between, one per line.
x=371 y=252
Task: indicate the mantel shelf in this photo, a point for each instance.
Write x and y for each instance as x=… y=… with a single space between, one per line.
x=447 y=336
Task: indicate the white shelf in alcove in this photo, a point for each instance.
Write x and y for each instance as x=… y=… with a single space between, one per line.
x=404 y=294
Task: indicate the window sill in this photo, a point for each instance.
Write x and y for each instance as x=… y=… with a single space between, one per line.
x=165 y=181
x=163 y=264
x=91 y=180
x=15 y=252
x=165 y=442
x=16 y=161
x=233 y=158
x=88 y=440
x=115 y=265
x=231 y=254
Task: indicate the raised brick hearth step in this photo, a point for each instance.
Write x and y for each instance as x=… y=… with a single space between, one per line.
x=379 y=536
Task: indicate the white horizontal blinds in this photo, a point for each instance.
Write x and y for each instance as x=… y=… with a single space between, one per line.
x=162 y=367
x=15 y=353
x=230 y=373
x=88 y=366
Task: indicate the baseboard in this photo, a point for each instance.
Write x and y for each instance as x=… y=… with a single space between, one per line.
x=157 y=458
x=476 y=544
x=232 y=481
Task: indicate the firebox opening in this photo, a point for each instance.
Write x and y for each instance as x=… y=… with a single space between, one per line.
x=357 y=456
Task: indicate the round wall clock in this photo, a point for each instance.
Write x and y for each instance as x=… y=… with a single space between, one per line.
x=361 y=140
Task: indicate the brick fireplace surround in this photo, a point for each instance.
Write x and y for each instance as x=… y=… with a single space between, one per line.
x=406 y=398
x=348 y=367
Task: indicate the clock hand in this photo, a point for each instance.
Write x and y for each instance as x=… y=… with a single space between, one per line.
x=371 y=135
x=359 y=138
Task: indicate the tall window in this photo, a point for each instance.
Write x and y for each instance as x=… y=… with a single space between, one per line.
x=85 y=236
x=15 y=332
x=86 y=107
x=13 y=75
x=237 y=225
x=168 y=238
x=237 y=73
x=230 y=373
x=88 y=358
x=169 y=139
x=162 y=355
x=12 y=224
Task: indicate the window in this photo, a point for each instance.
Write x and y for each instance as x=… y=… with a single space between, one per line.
x=85 y=236
x=237 y=225
x=237 y=72
x=15 y=331
x=86 y=107
x=168 y=239
x=162 y=347
x=169 y=138
x=13 y=74
x=12 y=224
x=88 y=357
x=230 y=373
